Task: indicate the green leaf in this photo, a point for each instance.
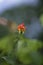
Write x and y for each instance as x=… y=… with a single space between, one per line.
x=41 y=19
x=25 y=47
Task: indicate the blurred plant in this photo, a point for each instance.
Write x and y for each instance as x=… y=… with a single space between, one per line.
x=18 y=50
x=41 y=19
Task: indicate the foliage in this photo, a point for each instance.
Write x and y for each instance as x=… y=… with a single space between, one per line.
x=41 y=19
x=16 y=46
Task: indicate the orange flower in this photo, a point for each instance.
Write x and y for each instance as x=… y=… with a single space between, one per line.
x=21 y=28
